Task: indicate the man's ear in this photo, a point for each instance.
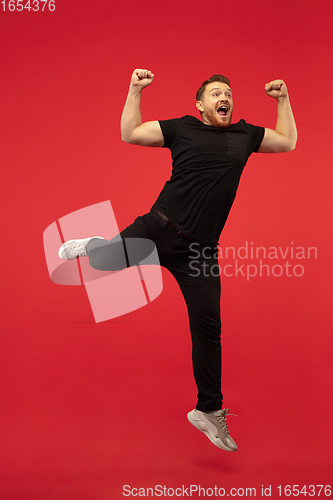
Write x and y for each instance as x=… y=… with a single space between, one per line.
x=199 y=106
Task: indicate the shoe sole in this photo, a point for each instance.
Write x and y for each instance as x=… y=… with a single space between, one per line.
x=208 y=429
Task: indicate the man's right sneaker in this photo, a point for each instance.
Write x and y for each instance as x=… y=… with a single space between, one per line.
x=214 y=425
x=74 y=248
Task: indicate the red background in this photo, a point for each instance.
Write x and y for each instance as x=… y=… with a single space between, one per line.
x=87 y=408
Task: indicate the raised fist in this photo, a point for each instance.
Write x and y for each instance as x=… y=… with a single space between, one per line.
x=142 y=78
x=276 y=89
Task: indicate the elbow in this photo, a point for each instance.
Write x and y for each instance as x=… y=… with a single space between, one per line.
x=128 y=136
x=125 y=138
x=293 y=145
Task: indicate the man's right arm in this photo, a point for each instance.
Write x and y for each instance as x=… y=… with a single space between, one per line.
x=133 y=130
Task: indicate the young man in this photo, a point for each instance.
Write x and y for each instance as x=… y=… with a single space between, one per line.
x=187 y=218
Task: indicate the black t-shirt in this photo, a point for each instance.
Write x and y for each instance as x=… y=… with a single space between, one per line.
x=207 y=163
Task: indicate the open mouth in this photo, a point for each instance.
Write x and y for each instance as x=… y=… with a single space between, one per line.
x=222 y=110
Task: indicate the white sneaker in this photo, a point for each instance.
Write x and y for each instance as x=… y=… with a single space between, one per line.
x=74 y=248
x=214 y=425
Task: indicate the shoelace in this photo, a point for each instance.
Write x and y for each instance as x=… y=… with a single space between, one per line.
x=222 y=419
x=78 y=249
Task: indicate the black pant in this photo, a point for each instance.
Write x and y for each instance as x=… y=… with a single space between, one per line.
x=195 y=267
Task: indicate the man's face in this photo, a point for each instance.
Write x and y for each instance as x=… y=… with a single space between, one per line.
x=216 y=105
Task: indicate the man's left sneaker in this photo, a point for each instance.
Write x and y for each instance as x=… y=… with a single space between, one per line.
x=72 y=249
x=214 y=425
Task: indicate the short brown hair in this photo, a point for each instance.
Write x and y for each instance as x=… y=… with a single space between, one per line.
x=214 y=78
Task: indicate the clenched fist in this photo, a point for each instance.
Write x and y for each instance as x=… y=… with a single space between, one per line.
x=276 y=89
x=141 y=78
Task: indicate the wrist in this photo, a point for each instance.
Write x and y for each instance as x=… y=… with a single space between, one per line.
x=282 y=100
x=135 y=90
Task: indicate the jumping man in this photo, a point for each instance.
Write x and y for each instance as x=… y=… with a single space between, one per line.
x=209 y=156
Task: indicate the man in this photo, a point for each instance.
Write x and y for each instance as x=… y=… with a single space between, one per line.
x=209 y=156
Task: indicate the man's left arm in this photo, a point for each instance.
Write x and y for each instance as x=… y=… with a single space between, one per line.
x=284 y=137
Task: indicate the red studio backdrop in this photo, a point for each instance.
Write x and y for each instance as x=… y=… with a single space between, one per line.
x=91 y=411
